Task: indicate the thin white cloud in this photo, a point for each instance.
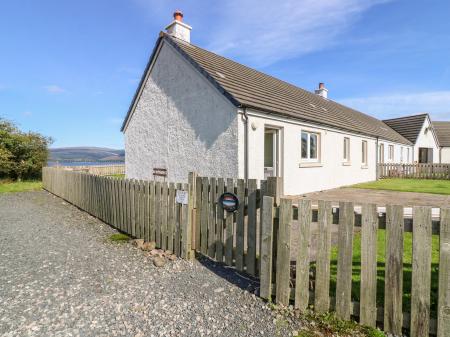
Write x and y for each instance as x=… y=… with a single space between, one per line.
x=27 y=113
x=261 y=32
x=436 y=103
x=54 y=89
x=265 y=31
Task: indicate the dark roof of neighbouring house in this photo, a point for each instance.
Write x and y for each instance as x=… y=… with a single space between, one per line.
x=246 y=87
x=443 y=132
x=409 y=126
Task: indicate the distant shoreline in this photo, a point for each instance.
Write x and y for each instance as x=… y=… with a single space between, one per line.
x=83 y=163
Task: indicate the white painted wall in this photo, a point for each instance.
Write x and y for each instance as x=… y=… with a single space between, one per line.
x=181 y=123
x=331 y=173
x=445 y=155
x=398 y=158
x=426 y=139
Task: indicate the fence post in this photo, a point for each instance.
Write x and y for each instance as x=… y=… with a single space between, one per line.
x=275 y=190
x=192 y=225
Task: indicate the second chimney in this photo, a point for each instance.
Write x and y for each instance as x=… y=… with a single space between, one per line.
x=322 y=91
x=178 y=28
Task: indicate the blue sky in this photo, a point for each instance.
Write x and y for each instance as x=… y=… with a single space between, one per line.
x=69 y=69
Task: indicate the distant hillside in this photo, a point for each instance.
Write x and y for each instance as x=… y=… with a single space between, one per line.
x=86 y=154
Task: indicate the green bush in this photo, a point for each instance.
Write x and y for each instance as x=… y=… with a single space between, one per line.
x=22 y=154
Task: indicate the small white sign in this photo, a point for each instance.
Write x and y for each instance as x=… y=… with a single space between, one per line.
x=182 y=197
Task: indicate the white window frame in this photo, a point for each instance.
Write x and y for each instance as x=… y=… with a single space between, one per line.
x=364 y=149
x=391 y=152
x=346 y=155
x=401 y=154
x=309 y=159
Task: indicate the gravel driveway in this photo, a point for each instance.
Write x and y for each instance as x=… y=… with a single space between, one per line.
x=61 y=276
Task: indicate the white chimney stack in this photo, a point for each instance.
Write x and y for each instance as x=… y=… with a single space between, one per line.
x=322 y=91
x=178 y=28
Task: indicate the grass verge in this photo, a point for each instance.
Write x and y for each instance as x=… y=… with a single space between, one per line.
x=19 y=186
x=409 y=185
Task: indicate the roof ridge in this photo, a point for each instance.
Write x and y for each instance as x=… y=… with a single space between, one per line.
x=409 y=116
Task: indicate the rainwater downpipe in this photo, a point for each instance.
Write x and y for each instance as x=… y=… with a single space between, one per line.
x=245 y=120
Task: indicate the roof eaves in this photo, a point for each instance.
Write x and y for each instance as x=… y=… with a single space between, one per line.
x=274 y=112
x=141 y=82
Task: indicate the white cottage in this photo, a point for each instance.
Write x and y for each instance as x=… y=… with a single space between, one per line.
x=443 y=134
x=197 y=111
x=419 y=130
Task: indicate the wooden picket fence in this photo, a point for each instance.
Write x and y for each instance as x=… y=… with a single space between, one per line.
x=257 y=240
x=143 y=209
x=417 y=171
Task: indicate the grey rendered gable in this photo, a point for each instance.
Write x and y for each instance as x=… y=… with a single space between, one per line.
x=163 y=40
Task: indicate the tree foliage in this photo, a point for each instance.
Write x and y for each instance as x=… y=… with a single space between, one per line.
x=22 y=154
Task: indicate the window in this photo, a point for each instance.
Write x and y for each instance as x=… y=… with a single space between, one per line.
x=346 y=149
x=364 y=152
x=401 y=154
x=407 y=155
x=391 y=152
x=425 y=155
x=310 y=146
x=381 y=154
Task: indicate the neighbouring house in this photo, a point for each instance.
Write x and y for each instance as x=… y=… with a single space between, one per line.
x=443 y=134
x=197 y=111
x=419 y=130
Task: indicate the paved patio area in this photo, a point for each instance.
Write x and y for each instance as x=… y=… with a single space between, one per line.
x=380 y=197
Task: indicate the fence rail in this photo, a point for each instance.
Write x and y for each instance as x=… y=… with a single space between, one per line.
x=143 y=209
x=270 y=237
x=418 y=171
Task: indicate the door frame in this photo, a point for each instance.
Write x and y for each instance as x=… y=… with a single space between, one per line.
x=277 y=147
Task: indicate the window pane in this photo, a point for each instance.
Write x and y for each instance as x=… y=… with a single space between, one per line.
x=347 y=148
x=312 y=146
x=364 y=152
x=304 y=145
x=268 y=149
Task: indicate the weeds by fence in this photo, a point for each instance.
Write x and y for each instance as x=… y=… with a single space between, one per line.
x=258 y=239
x=418 y=171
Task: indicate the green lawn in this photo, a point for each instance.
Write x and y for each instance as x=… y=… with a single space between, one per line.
x=19 y=186
x=407 y=270
x=409 y=185
x=121 y=176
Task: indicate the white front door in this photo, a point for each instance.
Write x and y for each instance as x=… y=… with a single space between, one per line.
x=271 y=156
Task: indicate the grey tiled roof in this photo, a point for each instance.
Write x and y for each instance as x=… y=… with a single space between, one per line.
x=409 y=126
x=246 y=87
x=443 y=132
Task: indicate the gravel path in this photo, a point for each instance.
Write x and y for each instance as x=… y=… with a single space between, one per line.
x=60 y=276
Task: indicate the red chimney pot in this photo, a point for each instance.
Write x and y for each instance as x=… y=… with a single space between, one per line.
x=178 y=15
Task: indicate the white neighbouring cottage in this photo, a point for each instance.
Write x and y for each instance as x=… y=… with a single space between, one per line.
x=197 y=111
x=442 y=129
x=419 y=130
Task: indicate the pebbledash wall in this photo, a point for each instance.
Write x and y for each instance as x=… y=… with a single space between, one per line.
x=329 y=171
x=181 y=123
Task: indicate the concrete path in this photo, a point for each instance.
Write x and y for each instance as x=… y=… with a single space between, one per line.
x=61 y=276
